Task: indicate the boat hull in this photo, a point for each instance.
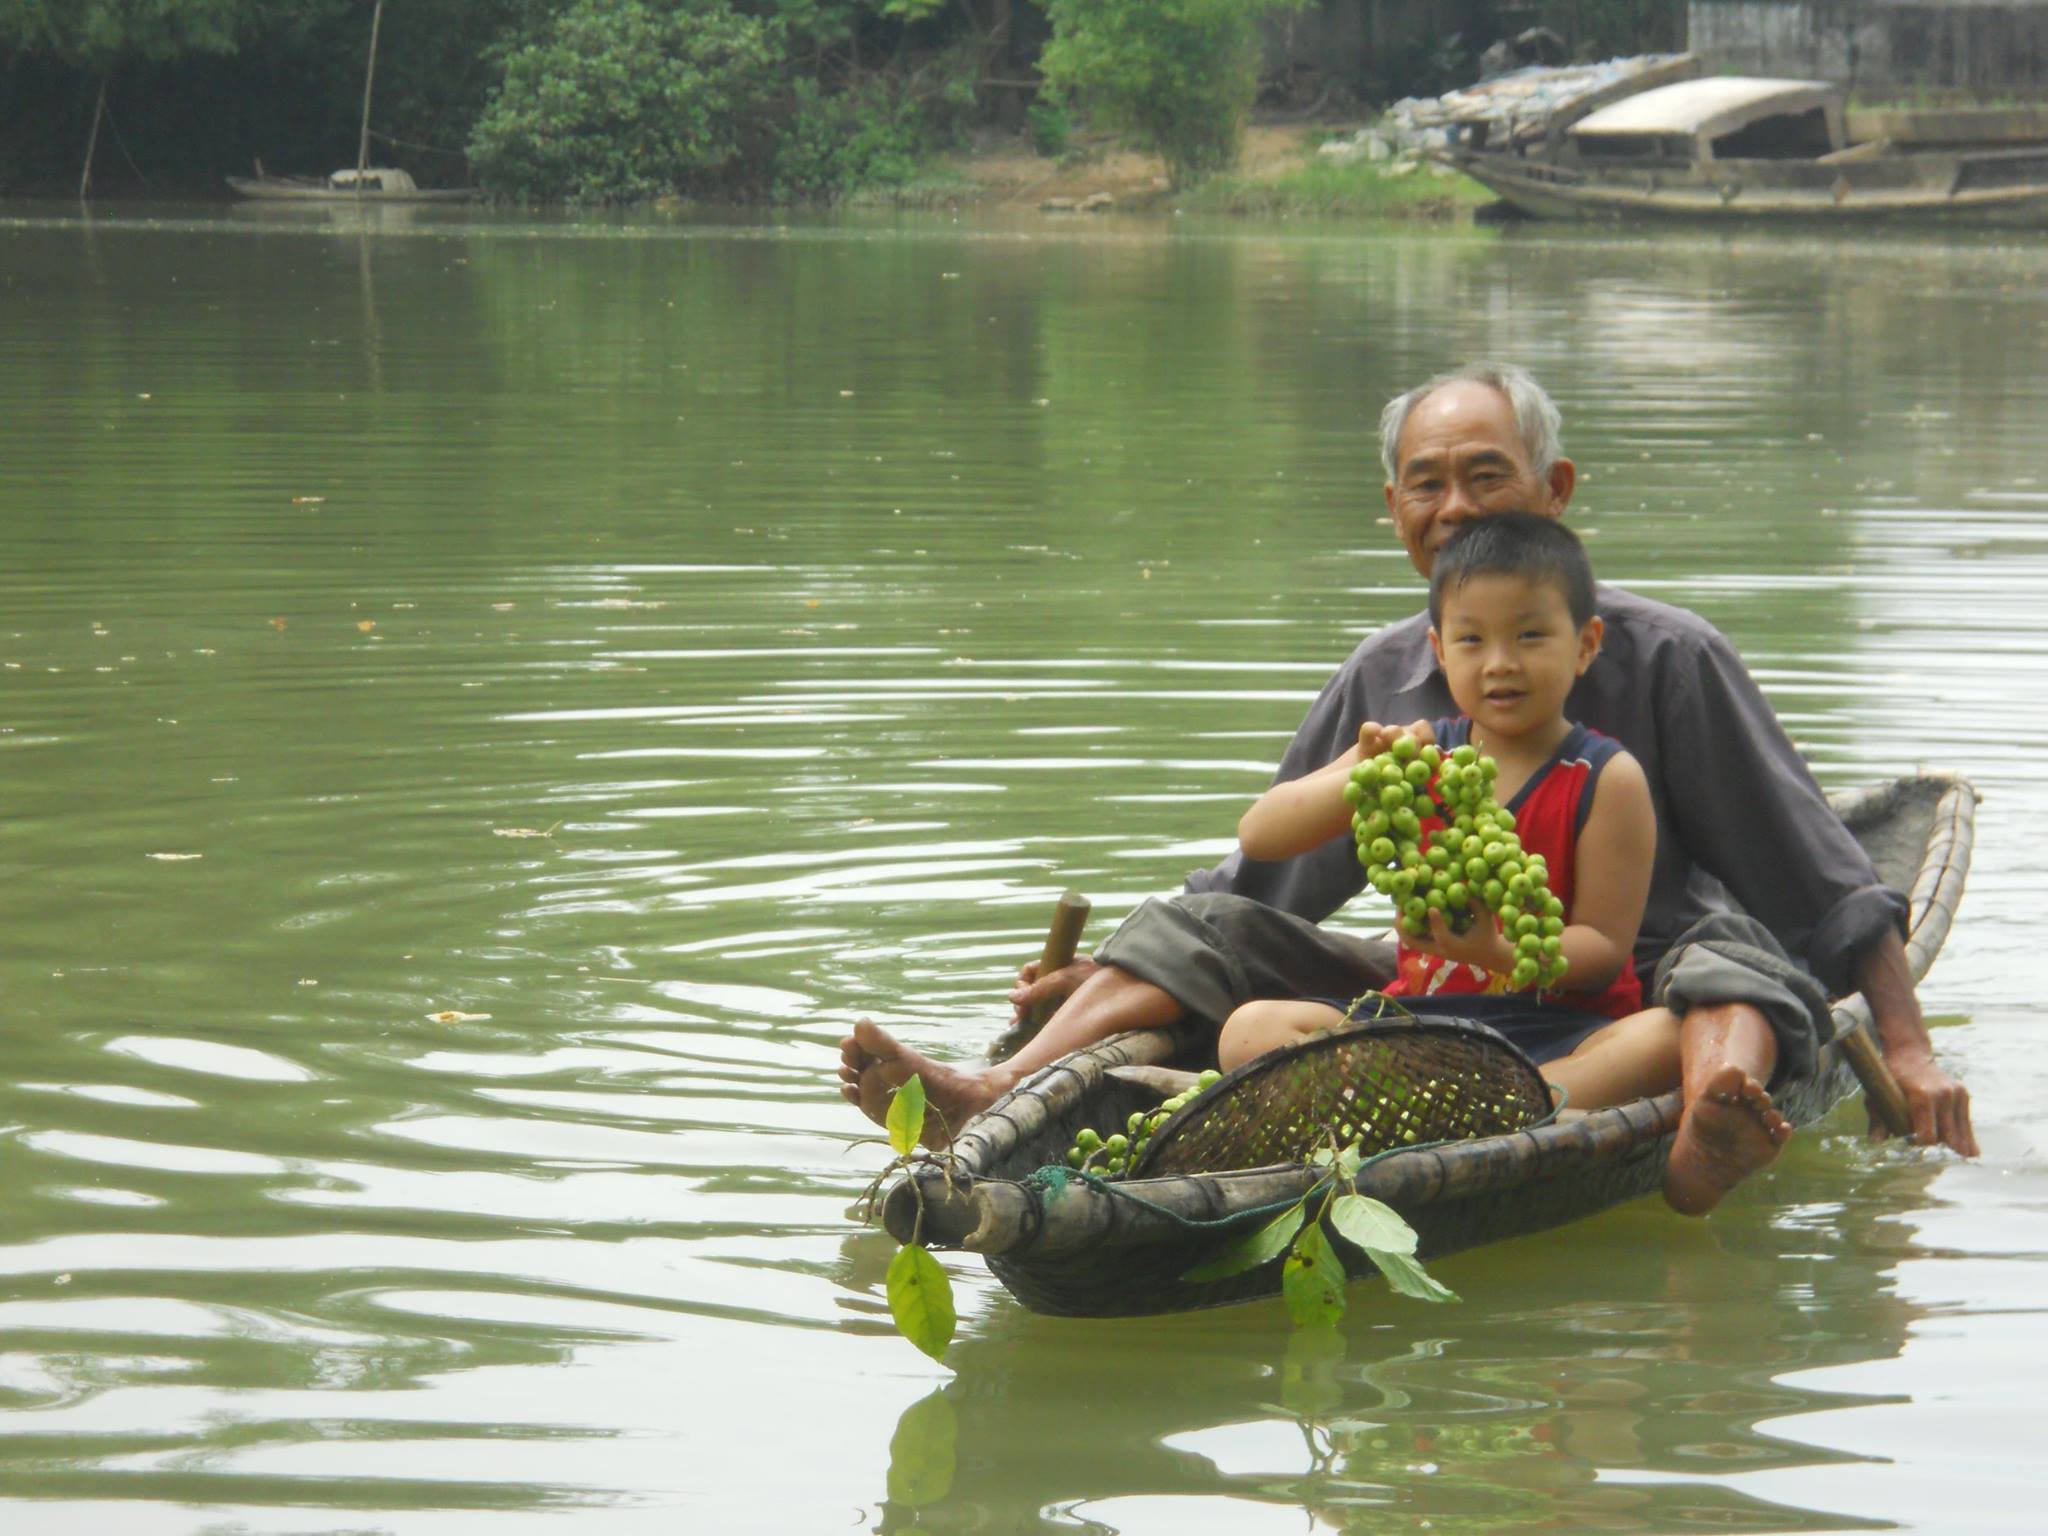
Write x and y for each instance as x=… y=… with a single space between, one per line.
x=272 y=190
x=1075 y=1247
x=1991 y=189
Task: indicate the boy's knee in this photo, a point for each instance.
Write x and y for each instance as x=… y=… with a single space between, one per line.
x=1658 y=1023
x=1246 y=1018
x=1258 y=1027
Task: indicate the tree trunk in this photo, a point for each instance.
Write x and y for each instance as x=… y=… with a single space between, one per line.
x=995 y=56
x=92 y=144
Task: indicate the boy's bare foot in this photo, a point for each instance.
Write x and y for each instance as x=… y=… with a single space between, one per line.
x=873 y=1064
x=1729 y=1130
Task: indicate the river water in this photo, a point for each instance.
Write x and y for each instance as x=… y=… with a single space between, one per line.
x=487 y=701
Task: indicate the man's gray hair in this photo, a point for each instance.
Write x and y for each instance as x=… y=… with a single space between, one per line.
x=1536 y=417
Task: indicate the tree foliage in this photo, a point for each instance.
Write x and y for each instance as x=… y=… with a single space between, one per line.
x=624 y=99
x=608 y=100
x=1180 y=74
x=98 y=34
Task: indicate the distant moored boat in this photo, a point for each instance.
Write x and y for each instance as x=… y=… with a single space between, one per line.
x=371 y=185
x=1734 y=148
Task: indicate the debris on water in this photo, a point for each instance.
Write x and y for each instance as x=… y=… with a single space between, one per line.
x=523 y=831
x=173 y=858
x=454 y=1016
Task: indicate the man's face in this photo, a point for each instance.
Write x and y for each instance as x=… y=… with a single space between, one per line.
x=1460 y=457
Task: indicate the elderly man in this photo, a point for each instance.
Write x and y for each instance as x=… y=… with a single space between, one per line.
x=1738 y=813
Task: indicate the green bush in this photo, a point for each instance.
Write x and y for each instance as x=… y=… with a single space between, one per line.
x=831 y=145
x=618 y=100
x=1179 y=74
x=1049 y=125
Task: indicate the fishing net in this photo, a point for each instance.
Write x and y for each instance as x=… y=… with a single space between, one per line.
x=1384 y=1083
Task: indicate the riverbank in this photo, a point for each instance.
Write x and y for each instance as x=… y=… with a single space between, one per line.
x=1279 y=175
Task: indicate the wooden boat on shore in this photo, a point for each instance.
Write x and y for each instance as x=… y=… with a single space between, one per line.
x=1737 y=148
x=1081 y=1248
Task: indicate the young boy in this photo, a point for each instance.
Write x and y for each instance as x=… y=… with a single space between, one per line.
x=1513 y=627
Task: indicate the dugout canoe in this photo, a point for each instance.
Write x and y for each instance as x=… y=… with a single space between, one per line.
x=1069 y=1247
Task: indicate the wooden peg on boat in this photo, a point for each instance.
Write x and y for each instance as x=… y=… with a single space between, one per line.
x=1069 y=917
x=1881 y=1091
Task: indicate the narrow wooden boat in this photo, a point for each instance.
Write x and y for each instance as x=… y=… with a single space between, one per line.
x=1735 y=148
x=371 y=186
x=1068 y=1246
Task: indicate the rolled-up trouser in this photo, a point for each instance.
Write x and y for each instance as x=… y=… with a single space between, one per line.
x=1211 y=952
x=1730 y=957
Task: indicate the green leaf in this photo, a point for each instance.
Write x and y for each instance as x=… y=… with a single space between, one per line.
x=1261 y=1247
x=1373 y=1226
x=1408 y=1277
x=1349 y=1161
x=921 y=1300
x=1313 y=1281
x=906 y=1116
x=922 y=1452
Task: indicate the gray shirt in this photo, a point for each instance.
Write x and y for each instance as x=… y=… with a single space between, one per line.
x=1738 y=812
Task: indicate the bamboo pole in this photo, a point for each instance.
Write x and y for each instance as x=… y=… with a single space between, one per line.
x=92 y=144
x=369 y=84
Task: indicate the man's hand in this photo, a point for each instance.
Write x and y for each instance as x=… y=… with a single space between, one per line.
x=1940 y=1105
x=1057 y=986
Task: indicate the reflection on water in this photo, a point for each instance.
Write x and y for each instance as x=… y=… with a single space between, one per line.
x=487 y=700
x=1634 y=1377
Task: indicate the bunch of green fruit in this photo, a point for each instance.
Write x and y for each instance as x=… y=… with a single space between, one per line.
x=1114 y=1155
x=1471 y=855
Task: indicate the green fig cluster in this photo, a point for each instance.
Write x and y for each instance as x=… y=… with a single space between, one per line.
x=1114 y=1155
x=1473 y=857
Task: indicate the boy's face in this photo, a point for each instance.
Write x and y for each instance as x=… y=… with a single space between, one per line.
x=1510 y=652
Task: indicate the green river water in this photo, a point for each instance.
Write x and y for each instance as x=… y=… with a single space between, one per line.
x=488 y=700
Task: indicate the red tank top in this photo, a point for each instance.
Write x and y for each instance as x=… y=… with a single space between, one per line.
x=1549 y=812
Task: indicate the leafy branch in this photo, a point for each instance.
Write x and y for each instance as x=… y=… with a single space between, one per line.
x=920 y=1291
x=1312 y=1280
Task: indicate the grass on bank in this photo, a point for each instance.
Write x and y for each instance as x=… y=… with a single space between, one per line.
x=1363 y=188
x=935 y=184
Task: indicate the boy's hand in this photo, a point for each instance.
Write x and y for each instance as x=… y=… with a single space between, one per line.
x=1374 y=738
x=1482 y=945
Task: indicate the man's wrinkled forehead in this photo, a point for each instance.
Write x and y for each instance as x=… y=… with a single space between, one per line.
x=1464 y=421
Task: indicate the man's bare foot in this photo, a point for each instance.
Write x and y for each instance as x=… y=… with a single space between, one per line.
x=873 y=1064
x=1729 y=1130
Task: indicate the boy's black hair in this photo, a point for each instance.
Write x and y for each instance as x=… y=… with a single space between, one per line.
x=1514 y=544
